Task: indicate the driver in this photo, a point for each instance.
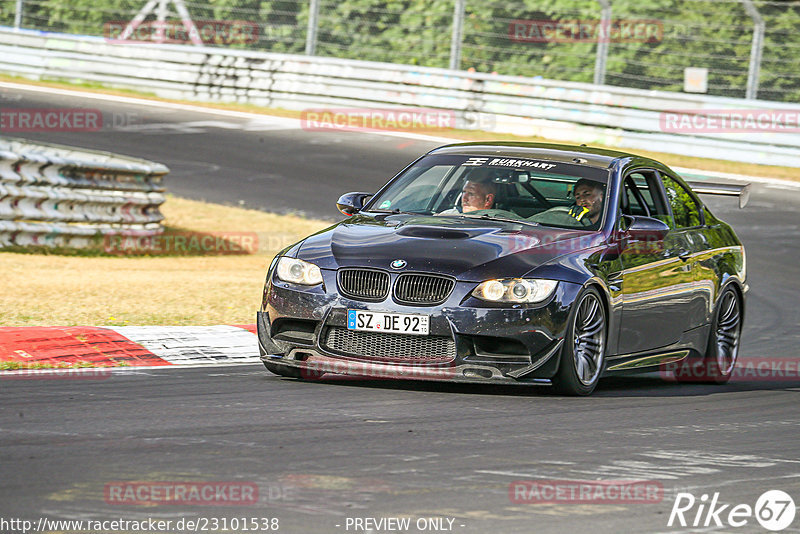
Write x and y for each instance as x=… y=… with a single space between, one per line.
x=478 y=196
x=475 y=195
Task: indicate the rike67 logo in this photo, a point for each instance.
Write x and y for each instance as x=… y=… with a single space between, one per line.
x=774 y=510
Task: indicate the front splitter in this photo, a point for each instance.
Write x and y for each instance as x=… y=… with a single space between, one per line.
x=314 y=366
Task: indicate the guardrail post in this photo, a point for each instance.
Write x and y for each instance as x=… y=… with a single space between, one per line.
x=458 y=30
x=603 y=37
x=313 y=22
x=18 y=15
x=756 y=49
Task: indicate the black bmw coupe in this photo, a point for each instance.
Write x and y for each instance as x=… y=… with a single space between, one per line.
x=513 y=263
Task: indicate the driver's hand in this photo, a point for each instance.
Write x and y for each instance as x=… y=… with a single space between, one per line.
x=578 y=212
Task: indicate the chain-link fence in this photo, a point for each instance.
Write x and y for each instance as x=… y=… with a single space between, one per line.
x=737 y=48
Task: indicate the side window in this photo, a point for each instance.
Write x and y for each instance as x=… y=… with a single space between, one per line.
x=642 y=196
x=684 y=208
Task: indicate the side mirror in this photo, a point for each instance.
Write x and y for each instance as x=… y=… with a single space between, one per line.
x=640 y=228
x=351 y=203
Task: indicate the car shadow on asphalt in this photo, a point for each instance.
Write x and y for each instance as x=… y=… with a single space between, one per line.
x=655 y=386
x=617 y=386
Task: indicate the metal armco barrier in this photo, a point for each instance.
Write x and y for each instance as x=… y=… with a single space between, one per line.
x=565 y=111
x=53 y=195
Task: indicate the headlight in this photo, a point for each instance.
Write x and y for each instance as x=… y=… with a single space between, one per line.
x=299 y=272
x=516 y=290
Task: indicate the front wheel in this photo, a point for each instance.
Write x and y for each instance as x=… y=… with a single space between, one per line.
x=584 y=350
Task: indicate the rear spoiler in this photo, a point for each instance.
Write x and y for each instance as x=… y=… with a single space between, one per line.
x=738 y=190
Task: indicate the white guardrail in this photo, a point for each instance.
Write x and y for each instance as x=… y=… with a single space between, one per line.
x=53 y=195
x=566 y=111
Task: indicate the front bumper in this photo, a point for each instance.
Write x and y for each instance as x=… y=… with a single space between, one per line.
x=502 y=345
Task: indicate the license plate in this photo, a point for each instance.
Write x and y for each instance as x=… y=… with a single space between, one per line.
x=394 y=323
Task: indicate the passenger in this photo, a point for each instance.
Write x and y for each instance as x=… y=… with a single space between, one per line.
x=589 y=201
x=586 y=211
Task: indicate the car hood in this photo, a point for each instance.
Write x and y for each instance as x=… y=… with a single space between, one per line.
x=468 y=249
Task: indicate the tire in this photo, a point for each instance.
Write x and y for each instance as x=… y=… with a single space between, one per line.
x=722 y=349
x=282 y=370
x=583 y=354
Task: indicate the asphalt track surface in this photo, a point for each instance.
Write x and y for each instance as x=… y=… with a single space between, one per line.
x=323 y=452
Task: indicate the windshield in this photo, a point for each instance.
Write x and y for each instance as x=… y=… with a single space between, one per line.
x=520 y=189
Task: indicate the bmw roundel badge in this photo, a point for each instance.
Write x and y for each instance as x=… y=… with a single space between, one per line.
x=398 y=264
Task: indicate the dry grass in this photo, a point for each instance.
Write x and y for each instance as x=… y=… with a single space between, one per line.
x=54 y=289
x=673 y=160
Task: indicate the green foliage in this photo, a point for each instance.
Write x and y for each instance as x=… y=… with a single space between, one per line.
x=283 y=25
x=716 y=34
x=7 y=11
x=86 y=17
x=492 y=44
x=415 y=32
x=780 y=75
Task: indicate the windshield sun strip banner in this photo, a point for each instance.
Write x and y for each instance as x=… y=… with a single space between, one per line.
x=551 y=168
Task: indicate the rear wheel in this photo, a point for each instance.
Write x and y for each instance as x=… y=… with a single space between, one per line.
x=282 y=370
x=584 y=351
x=723 y=343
